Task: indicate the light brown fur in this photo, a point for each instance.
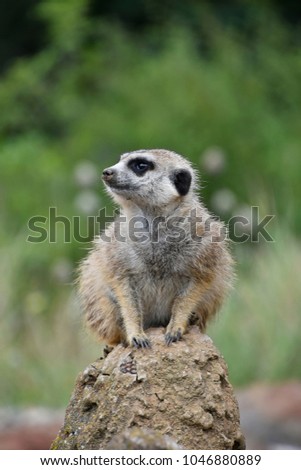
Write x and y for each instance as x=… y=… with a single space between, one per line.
x=128 y=286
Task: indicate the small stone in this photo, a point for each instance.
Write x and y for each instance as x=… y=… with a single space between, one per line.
x=206 y=421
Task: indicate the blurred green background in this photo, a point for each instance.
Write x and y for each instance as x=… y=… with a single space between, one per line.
x=83 y=81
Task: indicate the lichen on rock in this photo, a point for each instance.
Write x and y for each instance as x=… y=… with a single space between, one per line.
x=180 y=392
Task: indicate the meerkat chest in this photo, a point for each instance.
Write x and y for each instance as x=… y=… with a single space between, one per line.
x=156 y=290
x=162 y=259
x=162 y=275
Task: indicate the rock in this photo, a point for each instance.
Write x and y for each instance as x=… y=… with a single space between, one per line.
x=181 y=391
x=142 y=439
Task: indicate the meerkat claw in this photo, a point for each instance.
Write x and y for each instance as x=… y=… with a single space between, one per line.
x=173 y=337
x=141 y=342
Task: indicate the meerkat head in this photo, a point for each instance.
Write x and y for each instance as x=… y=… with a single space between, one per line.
x=150 y=178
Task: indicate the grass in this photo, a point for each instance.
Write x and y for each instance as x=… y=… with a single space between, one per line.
x=95 y=91
x=43 y=344
x=258 y=331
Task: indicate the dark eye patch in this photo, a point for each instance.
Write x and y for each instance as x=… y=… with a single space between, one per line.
x=140 y=166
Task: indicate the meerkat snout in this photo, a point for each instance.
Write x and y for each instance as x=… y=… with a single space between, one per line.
x=107 y=174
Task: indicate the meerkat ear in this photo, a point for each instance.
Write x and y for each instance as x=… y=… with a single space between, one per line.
x=182 y=181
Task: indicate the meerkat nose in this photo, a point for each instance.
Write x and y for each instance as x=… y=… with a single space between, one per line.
x=107 y=174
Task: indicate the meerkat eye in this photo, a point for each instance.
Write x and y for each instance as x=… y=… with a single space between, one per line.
x=140 y=166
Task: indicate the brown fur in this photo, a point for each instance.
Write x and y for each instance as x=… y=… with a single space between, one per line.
x=126 y=287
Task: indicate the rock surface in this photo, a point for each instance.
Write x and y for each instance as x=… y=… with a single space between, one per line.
x=181 y=391
x=270 y=419
x=142 y=439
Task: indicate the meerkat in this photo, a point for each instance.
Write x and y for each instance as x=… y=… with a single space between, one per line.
x=164 y=261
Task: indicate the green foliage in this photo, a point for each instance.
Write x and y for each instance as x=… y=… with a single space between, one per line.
x=96 y=91
x=259 y=330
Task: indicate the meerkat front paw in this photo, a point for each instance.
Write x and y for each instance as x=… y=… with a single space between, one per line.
x=140 y=341
x=173 y=335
